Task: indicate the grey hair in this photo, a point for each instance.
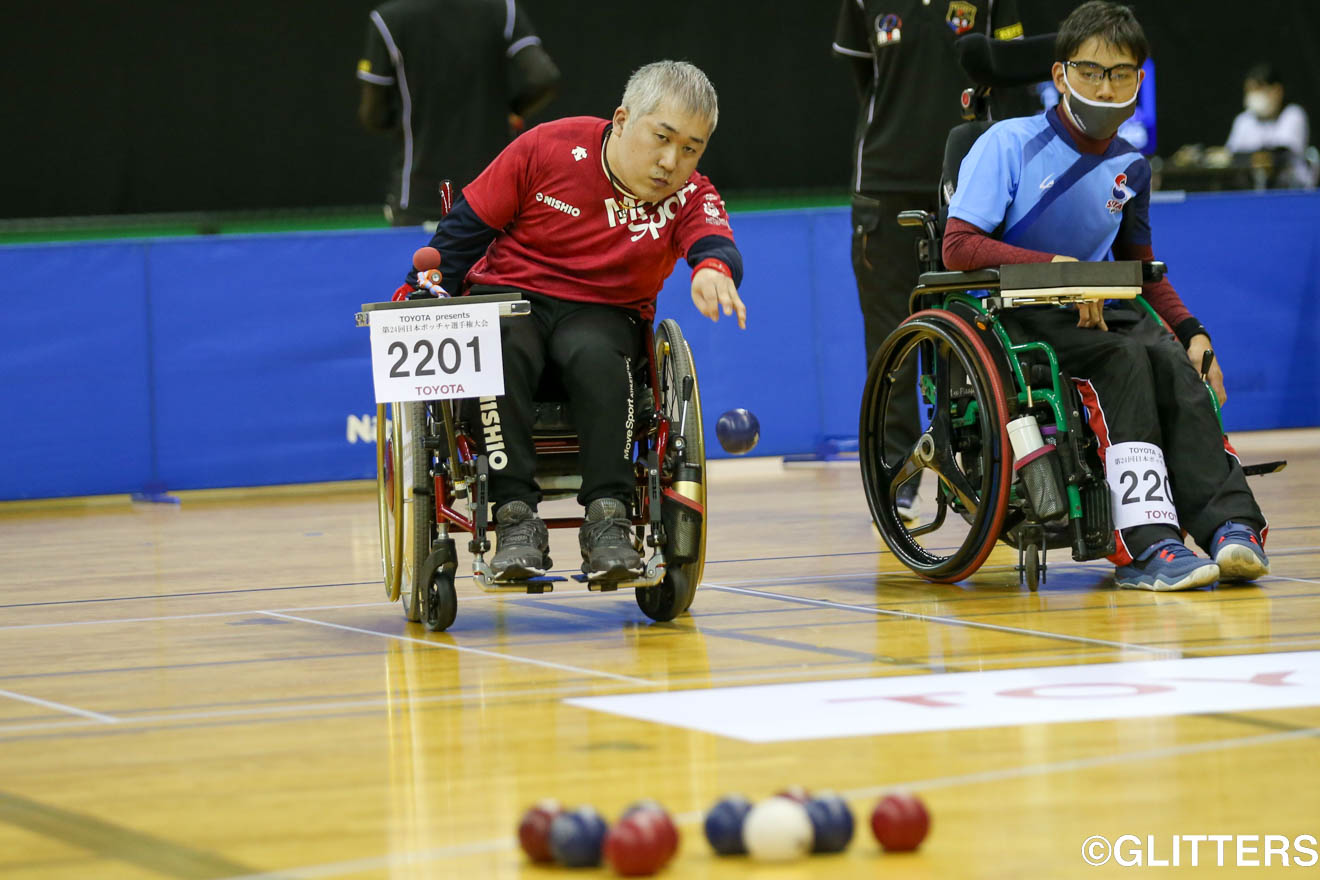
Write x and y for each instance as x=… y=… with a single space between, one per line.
x=650 y=85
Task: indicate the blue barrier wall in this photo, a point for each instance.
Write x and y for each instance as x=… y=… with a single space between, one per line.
x=204 y=362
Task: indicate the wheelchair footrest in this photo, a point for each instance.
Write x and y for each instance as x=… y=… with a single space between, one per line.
x=609 y=586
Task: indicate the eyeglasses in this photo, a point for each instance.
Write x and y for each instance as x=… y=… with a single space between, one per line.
x=1120 y=74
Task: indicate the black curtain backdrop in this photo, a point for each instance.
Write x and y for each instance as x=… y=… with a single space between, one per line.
x=172 y=106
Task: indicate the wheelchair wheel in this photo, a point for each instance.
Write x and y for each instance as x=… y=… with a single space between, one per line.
x=673 y=596
x=965 y=445
x=441 y=605
x=407 y=514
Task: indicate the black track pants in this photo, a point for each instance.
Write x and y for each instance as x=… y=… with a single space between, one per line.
x=1139 y=385
x=884 y=259
x=593 y=349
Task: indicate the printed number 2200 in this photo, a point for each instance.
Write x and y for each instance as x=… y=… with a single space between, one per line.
x=1154 y=483
x=447 y=356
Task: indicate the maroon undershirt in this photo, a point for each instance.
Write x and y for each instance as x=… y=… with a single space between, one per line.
x=968 y=247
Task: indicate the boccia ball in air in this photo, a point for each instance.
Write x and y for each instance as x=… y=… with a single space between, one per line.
x=724 y=824
x=777 y=830
x=534 y=830
x=831 y=823
x=576 y=838
x=738 y=431
x=900 y=822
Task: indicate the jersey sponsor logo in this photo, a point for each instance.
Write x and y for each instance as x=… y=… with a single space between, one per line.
x=888 y=29
x=558 y=205
x=714 y=215
x=1009 y=32
x=961 y=16
x=1047 y=183
x=579 y=153
x=642 y=219
x=1119 y=194
x=494 y=435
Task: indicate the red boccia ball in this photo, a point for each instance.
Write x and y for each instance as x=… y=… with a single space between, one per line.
x=665 y=823
x=900 y=822
x=534 y=830
x=636 y=845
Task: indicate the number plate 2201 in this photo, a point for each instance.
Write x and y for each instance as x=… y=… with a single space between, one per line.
x=437 y=352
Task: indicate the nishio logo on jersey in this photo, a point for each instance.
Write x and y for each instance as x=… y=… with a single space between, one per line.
x=1120 y=194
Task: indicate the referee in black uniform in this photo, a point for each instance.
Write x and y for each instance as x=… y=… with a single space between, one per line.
x=908 y=78
x=446 y=74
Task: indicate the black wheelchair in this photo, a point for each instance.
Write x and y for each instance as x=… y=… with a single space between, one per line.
x=974 y=378
x=433 y=477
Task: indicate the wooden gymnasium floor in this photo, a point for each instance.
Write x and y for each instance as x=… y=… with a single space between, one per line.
x=217 y=689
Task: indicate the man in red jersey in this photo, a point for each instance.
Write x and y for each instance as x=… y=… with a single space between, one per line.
x=586 y=218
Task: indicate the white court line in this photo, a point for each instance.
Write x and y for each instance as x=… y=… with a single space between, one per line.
x=72 y=710
x=1162 y=653
x=286 y=708
x=562 y=667
x=333 y=869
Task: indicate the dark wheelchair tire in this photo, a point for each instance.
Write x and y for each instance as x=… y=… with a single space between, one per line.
x=1031 y=559
x=417 y=518
x=982 y=478
x=441 y=605
x=674 y=595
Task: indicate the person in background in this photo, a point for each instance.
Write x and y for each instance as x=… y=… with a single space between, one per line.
x=1268 y=123
x=903 y=62
x=450 y=78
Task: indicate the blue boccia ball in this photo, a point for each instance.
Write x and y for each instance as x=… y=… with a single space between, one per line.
x=738 y=431
x=724 y=823
x=576 y=838
x=831 y=822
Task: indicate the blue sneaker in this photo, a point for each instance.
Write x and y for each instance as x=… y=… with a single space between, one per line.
x=1238 y=552
x=1167 y=565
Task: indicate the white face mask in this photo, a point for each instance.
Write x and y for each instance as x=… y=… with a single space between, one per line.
x=1261 y=105
x=1098 y=119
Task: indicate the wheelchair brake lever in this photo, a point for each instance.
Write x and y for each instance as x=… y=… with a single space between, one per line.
x=1206 y=360
x=682 y=419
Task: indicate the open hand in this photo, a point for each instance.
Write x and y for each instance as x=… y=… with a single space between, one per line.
x=713 y=291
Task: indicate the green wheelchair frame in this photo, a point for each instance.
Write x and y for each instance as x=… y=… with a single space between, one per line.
x=973 y=378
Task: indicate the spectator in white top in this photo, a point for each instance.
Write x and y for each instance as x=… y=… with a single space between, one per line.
x=1268 y=123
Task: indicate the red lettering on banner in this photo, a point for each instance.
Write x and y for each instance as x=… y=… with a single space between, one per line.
x=1034 y=692
x=1264 y=679
x=927 y=700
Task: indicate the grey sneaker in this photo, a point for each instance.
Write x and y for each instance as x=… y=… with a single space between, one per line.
x=606 y=540
x=522 y=544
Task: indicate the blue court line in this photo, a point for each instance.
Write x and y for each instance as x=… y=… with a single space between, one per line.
x=164 y=666
x=197 y=593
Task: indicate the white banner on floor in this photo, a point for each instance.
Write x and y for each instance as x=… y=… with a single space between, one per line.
x=963 y=700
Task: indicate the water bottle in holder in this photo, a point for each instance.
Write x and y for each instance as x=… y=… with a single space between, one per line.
x=1036 y=464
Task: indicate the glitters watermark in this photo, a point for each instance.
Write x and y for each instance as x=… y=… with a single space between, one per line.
x=1195 y=850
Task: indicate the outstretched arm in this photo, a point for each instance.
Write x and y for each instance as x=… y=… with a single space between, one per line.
x=716 y=273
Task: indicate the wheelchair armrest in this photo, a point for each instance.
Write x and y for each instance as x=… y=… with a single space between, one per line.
x=976 y=280
x=1153 y=270
x=915 y=217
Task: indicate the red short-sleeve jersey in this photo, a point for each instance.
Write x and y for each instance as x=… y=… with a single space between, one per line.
x=565 y=233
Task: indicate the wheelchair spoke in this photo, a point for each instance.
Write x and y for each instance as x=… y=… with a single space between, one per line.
x=956 y=481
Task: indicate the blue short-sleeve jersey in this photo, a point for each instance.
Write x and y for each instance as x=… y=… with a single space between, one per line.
x=1025 y=181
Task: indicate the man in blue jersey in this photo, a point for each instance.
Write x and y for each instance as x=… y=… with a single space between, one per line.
x=1062 y=186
